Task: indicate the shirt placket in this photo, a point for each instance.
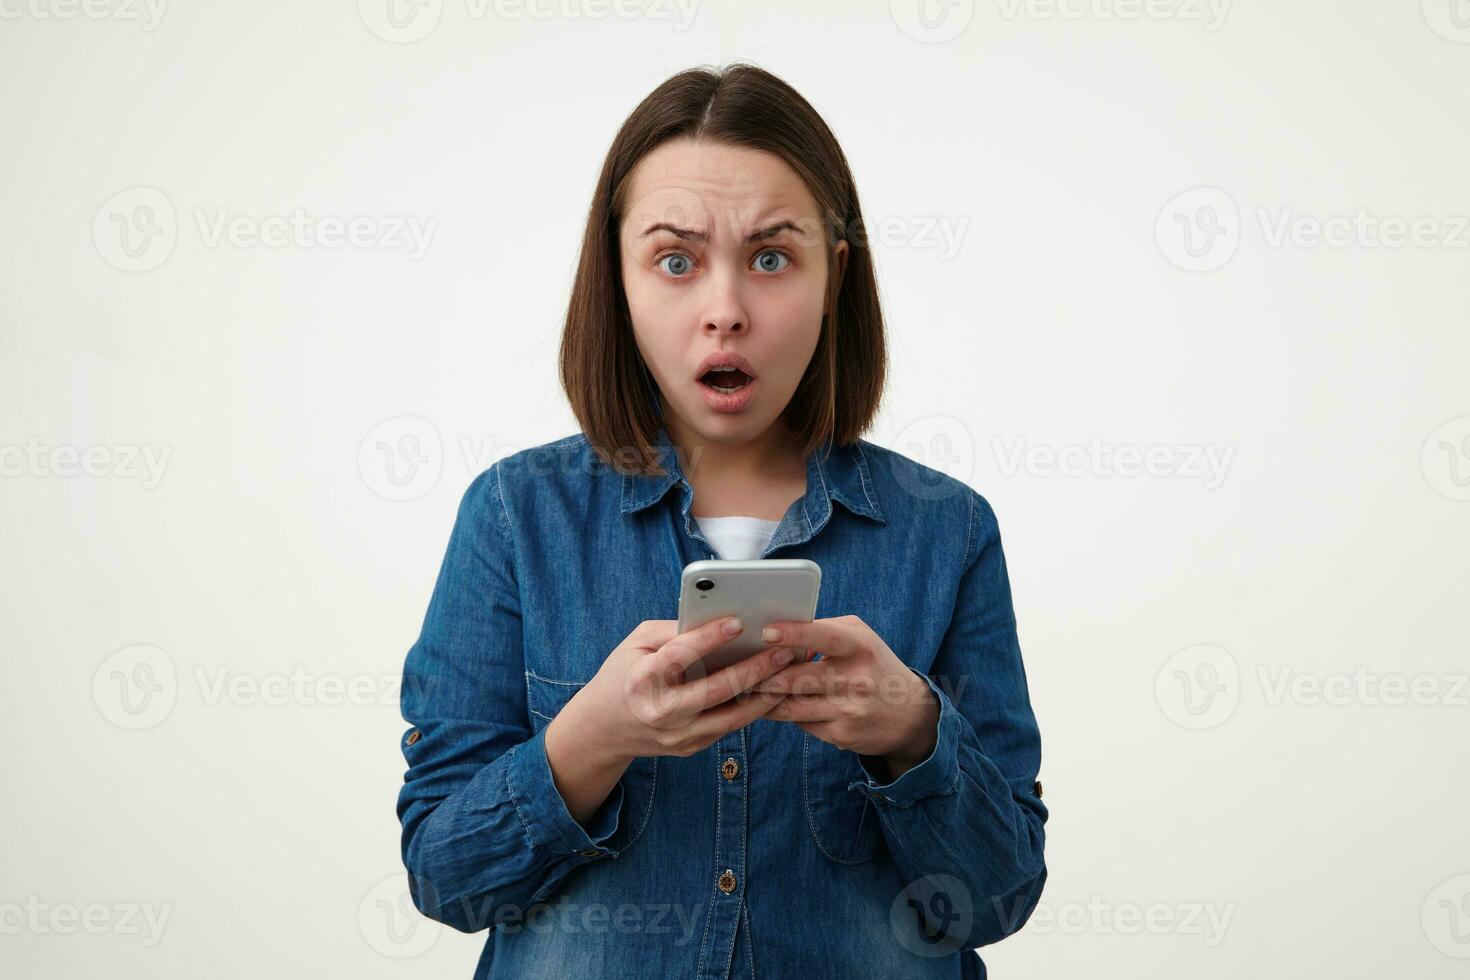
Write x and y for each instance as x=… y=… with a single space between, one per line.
x=727 y=873
x=717 y=953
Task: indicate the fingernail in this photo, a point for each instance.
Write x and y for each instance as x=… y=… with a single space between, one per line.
x=732 y=626
x=770 y=634
x=781 y=658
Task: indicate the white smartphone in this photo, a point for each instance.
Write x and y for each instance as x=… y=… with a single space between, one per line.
x=760 y=592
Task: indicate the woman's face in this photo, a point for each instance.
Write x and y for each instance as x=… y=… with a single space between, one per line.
x=723 y=252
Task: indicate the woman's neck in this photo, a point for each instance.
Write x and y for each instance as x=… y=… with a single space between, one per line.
x=757 y=478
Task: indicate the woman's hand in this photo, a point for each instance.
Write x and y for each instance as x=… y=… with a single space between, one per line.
x=859 y=696
x=651 y=696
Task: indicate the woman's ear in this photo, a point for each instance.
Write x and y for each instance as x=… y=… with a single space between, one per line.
x=839 y=255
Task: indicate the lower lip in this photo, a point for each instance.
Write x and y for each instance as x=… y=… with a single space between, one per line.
x=734 y=401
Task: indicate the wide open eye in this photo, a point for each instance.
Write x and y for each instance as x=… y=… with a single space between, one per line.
x=681 y=266
x=764 y=263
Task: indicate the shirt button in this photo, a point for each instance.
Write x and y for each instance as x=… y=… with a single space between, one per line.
x=727 y=881
x=589 y=854
x=1037 y=789
x=730 y=769
x=414 y=736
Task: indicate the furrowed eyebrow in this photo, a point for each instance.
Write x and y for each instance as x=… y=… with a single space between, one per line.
x=689 y=235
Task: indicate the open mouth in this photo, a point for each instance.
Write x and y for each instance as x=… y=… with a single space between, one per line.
x=725 y=380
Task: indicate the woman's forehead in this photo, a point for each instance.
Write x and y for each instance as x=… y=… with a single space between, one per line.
x=716 y=190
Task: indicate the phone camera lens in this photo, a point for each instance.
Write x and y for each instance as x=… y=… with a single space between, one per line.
x=704 y=584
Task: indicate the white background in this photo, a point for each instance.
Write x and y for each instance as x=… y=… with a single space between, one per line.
x=1207 y=822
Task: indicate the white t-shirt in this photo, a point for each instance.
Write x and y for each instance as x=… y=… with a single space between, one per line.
x=737 y=538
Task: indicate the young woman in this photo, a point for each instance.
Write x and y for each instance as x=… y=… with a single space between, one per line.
x=572 y=786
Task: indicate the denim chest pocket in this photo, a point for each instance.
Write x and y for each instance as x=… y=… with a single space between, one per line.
x=844 y=822
x=545 y=698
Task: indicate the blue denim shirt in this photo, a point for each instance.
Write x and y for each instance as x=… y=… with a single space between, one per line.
x=770 y=854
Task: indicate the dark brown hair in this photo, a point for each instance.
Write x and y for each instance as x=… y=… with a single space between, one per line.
x=610 y=389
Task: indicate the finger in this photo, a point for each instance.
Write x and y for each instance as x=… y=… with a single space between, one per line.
x=833 y=637
x=683 y=650
x=727 y=718
x=808 y=678
x=653 y=633
x=706 y=692
x=803 y=709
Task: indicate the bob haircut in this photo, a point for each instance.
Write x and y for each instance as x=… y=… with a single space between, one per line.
x=611 y=390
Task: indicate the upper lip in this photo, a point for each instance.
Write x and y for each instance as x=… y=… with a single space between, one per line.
x=723 y=359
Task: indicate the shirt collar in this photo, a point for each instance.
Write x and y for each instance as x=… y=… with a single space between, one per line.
x=842 y=476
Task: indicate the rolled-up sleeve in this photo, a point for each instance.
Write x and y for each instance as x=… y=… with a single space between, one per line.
x=971 y=812
x=486 y=833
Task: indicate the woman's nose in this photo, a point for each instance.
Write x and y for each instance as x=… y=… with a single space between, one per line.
x=724 y=311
